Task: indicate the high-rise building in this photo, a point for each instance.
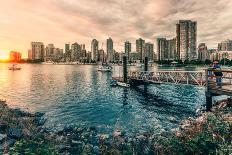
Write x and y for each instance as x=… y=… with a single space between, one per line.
x=36 y=53
x=94 y=50
x=172 y=54
x=15 y=56
x=162 y=49
x=203 y=52
x=128 y=50
x=149 y=51
x=140 y=48
x=101 y=55
x=225 y=45
x=186 y=33
x=109 y=49
x=49 y=50
x=75 y=52
x=67 y=51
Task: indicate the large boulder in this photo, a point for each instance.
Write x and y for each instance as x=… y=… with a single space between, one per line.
x=15 y=133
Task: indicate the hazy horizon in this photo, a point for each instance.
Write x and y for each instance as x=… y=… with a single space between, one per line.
x=62 y=21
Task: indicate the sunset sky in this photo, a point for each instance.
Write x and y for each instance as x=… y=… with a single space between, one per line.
x=63 y=21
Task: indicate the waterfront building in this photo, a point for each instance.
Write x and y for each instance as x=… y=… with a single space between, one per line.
x=117 y=56
x=15 y=56
x=224 y=55
x=127 y=50
x=75 y=52
x=135 y=56
x=102 y=56
x=203 y=52
x=36 y=53
x=162 y=49
x=110 y=49
x=88 y=56
x=49 y=52
x=94 y=50
x=172 y=53
x=149 y=51
x=140 y=48
x=225 y=45
x=67 y=52
x=186 y=34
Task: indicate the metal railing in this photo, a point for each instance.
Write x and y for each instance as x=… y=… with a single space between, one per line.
x=177 y=77
x=219 y=85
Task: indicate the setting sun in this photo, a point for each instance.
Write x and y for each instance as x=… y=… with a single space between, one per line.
x=4 y=55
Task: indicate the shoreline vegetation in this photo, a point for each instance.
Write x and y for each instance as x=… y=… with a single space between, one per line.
x=206 y=133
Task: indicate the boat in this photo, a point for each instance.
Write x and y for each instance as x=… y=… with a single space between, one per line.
x=105 y=68
x=14 y=67
x=122 y=84
x=113 y=83
x=48 y=62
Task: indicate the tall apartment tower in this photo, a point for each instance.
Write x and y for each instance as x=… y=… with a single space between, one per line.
x=94 y=50
x=162 y=49
x=149 y=51
x=128 y=50
x=110 y=49
x=172 y=54
x=225 y=45
x=36 y=52
x=140 y=48
x=186 y=34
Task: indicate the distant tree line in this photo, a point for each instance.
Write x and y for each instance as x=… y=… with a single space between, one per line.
x=195 y=62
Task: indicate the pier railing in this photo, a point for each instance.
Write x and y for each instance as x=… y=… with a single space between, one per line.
x=219 y=85
x=177 y=77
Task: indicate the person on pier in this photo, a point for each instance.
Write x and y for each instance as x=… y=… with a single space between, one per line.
x=218 y=74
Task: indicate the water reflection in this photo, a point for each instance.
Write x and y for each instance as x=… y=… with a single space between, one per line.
x=82 y=96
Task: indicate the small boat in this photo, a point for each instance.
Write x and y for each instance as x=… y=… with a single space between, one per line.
x=122 y=84
x=48 y=62
x=113 y=83
x=14 y=67
x=105 y=68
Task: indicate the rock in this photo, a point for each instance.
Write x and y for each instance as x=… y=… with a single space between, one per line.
x=96 y=150
x=141 y=137
x=104 y=137
x=117 y=133
x=2 y=137
x=173 y=120
x=3 y=127
x=20 y=113
x=39 y=114
x=10 y=143
x=15 y=133
x=93 y=128
x=88 y=149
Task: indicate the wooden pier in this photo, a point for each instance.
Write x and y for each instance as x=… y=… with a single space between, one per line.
x=203 y=78
x=212 y=88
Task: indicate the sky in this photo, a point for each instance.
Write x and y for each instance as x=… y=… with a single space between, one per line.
x=64 y=21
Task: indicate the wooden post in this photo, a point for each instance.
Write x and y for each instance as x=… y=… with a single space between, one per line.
x=125 y=69
x=208 y=94
x=209 y=101
x=146 y=64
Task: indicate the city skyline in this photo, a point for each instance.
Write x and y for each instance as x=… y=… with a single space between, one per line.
x=47 y=21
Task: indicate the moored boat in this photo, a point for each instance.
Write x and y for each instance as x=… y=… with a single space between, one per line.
x=105 y=68
x=122 y=84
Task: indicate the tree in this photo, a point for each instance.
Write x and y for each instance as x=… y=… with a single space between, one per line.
x=225 y=61
x=208 y=62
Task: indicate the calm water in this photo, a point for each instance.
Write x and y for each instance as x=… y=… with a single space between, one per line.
x=80 y=95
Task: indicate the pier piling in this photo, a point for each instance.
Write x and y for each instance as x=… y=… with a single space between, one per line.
x=146 y=64
x=125 y=69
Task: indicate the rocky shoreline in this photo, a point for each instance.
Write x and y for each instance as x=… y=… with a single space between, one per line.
x=23 y=133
